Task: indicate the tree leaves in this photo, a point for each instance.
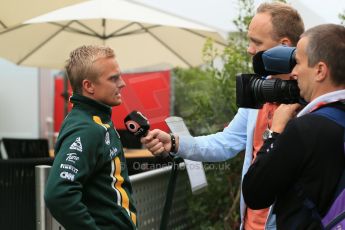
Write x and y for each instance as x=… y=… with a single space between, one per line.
x=206 y=99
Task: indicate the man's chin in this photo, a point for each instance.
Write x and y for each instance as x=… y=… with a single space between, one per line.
x=305 y=98
x=118 y=102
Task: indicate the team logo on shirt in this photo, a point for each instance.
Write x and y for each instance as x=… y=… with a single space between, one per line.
x=69 y=167
x=67 y=175
x=72 y=157
x=76 y=145
x=113 y=152
x=107 y=139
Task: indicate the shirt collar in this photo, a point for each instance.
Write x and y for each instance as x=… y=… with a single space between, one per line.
x=322 y=100
x=90 y=104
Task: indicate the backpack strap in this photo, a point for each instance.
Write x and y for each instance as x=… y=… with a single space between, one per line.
x=337 y=115
x=332 y=113
x=309 y=209
x=330 y=223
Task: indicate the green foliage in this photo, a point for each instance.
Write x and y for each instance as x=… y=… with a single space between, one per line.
x=234 y=57
x=205 y=98
x=246 y=12
x=342 y=18
x=218 y=206
x=199 y=99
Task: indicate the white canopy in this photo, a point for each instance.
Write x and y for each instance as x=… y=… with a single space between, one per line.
x=140 y=35
x=13 y=12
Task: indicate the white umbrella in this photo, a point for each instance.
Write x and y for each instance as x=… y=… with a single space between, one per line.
x=14 y=12
x=316 y=12
x=140 y=35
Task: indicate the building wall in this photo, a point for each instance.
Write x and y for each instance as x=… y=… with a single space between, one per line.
x=19 y=101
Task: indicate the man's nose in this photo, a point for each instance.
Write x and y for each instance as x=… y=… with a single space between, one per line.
x=121 y=83
x=293 y=74
x=251 y=50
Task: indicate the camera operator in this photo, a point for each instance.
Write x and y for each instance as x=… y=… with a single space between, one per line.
x=274 y=23
x=306 y=152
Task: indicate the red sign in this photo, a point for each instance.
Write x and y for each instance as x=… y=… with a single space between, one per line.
x=148 y=93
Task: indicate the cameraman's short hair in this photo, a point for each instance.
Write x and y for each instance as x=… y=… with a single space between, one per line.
x=326 y=43
x=286 y=21
x=79 y=66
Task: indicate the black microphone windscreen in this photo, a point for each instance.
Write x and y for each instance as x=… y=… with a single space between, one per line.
x=137 y=124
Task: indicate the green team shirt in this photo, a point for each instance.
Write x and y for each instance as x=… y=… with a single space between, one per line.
x=88 y=186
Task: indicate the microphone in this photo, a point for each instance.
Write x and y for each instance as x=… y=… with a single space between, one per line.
x=137 y=124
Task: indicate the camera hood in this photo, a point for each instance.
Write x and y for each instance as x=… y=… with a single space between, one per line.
x=277 y=60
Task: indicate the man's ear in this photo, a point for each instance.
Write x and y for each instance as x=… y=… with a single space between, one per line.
x=285 y=41
x=88 y=86
x=322 y=71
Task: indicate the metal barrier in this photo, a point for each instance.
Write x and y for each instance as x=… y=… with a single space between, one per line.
x=44 y=220
x=149 y=192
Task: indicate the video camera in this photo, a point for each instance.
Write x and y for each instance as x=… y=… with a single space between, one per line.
x=253 y=90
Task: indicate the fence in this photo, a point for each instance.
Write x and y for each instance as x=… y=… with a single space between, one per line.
x=149 y=191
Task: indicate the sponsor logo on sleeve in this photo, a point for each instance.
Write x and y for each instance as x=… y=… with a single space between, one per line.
x=107 y=139
x=67 y=176
x=72 y=157
x=113 y=152
x=69 y=167
x=76 y=145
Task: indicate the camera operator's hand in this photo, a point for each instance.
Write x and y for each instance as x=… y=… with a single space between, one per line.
x=282 y=115
x=158 y=142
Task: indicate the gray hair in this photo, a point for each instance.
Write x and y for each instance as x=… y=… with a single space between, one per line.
x=326 y=43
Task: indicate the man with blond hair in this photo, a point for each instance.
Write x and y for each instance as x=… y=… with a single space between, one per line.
x=274 y=24
x=88 y=186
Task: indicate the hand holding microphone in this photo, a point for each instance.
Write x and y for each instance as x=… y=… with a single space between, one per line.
x=156 y=141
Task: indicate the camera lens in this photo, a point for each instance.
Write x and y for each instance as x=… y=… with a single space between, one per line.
x=289 y=92
x=274 y=90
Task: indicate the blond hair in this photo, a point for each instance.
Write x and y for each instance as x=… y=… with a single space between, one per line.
x=80 y=64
